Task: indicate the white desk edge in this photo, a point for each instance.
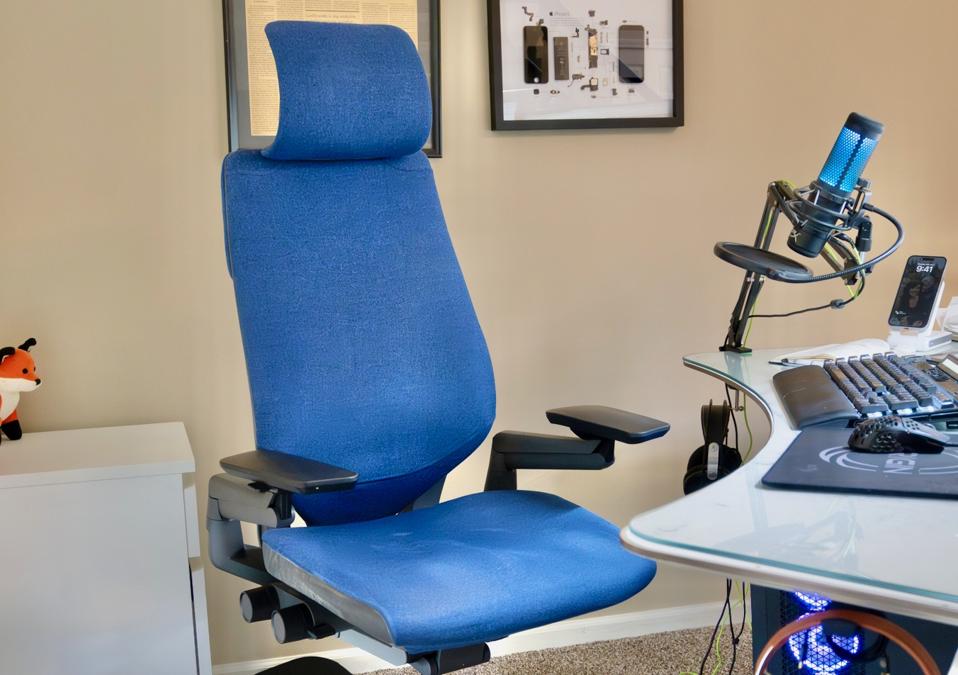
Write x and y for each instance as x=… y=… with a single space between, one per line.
x=780 y=576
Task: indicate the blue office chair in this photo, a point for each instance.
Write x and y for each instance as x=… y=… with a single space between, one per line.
x=370 y=381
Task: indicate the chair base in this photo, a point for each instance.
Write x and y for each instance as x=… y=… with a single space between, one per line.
x=308 y=665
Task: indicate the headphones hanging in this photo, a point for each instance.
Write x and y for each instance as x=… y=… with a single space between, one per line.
x=714 y=459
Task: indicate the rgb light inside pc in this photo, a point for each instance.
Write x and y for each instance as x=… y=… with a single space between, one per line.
x=810 y=649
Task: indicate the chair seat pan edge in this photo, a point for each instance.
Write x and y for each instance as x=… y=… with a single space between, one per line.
x=466 y=571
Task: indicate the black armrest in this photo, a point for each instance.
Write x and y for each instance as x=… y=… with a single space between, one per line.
x=603 y=422
x=288 y=472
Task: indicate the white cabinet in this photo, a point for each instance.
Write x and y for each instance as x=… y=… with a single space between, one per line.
x=99 y=554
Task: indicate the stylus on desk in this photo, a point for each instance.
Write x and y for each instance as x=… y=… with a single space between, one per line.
x=796 y=362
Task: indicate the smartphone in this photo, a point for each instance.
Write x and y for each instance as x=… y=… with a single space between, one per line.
x=631 y=54
x=535 y=47
x=561 y=45
x=915 y=301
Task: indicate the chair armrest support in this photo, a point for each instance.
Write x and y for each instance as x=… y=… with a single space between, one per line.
x=256 y=489
x=288 y=472
x=231 y=502
x=603 y=422
x=597 y=428
x=512 y=450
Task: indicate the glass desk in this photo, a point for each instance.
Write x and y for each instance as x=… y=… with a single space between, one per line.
x=890 y=553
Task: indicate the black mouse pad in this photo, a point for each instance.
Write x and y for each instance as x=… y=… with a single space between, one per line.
x=819 y=459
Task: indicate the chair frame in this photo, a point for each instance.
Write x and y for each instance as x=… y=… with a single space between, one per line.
x=258 y=485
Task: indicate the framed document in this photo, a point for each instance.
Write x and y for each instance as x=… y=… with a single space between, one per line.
x=252 y=88
x=582 y=64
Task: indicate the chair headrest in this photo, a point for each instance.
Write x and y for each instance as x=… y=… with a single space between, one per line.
x=347 y=91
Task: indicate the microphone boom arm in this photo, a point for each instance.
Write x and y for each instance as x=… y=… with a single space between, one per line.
x=843 y=256
x=779 y=194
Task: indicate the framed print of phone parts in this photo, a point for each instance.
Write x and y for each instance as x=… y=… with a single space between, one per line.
x=581 y=64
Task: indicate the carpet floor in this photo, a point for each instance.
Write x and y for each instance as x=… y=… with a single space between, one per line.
x=659 y=654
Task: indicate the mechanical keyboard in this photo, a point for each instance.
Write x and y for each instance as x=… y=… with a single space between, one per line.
x=865 y=386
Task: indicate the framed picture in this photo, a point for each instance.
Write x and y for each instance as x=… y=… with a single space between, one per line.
x=585 y=64
x=252 y=88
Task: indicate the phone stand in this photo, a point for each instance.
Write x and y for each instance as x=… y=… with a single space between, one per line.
x=949 y=321
x=919 y=340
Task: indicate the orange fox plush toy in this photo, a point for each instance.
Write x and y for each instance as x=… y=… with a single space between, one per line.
x=18 y=373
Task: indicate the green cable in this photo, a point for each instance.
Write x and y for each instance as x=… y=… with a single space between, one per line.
x=719 y=661
x=717 y=648
x=741 y=601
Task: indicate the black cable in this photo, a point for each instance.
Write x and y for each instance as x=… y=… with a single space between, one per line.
x=728 y=397
x=861 y=287
x=736 y=637
x=868 y=264
x=731 y=630
x=835 y=304
x=844 y=237
x=787 y=314
x=727 y=604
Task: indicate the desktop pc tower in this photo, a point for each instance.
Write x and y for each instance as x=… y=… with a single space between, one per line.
x=809 y=653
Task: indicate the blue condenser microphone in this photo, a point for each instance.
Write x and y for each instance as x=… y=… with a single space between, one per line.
x=835 y=183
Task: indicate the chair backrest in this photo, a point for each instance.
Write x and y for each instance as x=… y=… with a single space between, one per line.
x=362 y=346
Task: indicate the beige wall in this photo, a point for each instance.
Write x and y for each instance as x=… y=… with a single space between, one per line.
x=112 y=128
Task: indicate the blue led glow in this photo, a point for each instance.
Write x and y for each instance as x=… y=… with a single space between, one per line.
x=857 y=165
x=812 y=651
x=838 y=158
x=847 y=160
x=812 y=601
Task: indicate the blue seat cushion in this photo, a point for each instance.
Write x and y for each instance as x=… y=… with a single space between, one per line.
x=466 y=571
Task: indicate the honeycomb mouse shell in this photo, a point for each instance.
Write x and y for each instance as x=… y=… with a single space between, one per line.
x=893 y=433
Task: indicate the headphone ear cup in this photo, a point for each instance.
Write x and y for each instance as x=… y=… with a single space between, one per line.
x=697 y=459
x=697 y=473
x=730 y=459
x=713 y=460
x=694 y=480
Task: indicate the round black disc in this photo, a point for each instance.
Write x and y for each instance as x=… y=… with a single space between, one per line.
x=767 y=263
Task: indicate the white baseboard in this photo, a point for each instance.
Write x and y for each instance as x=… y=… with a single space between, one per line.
x=562 y=634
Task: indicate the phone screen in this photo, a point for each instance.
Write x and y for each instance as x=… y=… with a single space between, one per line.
x=915 y=302
x=632 y=54
x=535 y=41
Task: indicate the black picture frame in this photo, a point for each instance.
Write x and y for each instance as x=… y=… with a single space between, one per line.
x=677 y=119
x=237 y=78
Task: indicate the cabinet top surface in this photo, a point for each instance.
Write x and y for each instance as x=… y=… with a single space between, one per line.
x=78 y=455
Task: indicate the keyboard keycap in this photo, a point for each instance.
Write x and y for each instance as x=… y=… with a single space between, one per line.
x=874 y=385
